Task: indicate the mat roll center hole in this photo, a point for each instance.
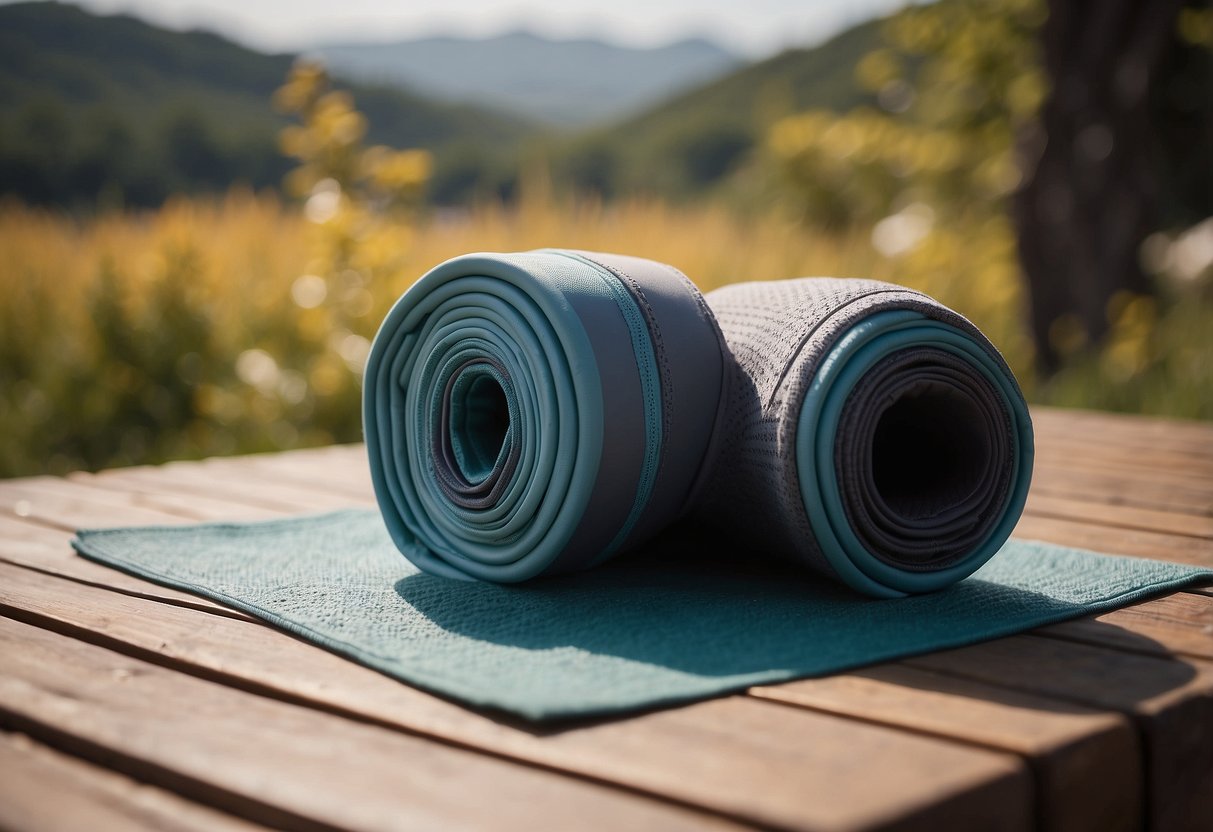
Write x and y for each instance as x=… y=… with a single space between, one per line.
x=480 y=420
x=930 y=450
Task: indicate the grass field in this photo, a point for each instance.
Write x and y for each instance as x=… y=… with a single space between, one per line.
x=216 y=327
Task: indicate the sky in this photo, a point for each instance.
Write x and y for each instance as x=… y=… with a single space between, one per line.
x=751 y=27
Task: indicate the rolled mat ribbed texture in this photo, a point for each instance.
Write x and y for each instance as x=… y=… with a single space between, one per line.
x=725 y=464
x=536 y=413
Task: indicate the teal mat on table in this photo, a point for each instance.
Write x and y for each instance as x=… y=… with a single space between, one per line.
x=676 y=621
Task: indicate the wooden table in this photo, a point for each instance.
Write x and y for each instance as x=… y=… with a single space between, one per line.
x=124 y=704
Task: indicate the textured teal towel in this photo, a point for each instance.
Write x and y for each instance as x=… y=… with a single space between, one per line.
x=678 y=620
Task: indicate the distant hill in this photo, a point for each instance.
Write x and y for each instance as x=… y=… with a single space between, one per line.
x=691 y=140
x=566 y=82
x=110 y=109
x=92 y=104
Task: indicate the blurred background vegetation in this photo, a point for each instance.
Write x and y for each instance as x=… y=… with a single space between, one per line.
x=197 y=240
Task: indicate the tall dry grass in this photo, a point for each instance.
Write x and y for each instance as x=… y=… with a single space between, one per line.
x=213 y=327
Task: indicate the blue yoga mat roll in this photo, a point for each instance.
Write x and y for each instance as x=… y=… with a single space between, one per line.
x=537 y=413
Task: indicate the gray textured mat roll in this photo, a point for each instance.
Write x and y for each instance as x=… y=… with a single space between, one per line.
x=870 y=433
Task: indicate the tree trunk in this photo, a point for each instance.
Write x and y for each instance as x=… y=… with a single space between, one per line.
x=1089 y=192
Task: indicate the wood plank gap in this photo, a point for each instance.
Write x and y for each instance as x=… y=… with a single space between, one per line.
x=255 y=688
x=1034 y=511
x=1169 y=700
x=45 y=788
x=1088 y=783
x=668 y=754
x=208 y=608
x=104 y=696
x=192 y=788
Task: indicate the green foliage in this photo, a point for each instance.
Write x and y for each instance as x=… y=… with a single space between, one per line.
x=694 y=141
x=210 y=327
x=114 y=111
x=929 y=171
x=954 y=82
x=361 y=201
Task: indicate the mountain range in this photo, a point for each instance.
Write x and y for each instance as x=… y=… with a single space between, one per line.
x=566 y=82
x=92 y=105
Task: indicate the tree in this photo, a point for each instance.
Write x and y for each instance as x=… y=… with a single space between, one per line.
x=1090 y=189
x=1082 y=121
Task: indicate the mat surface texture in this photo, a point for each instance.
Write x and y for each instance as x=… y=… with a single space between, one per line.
x=681 y=619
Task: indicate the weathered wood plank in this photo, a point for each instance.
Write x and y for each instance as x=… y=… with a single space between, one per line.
x=1177 y=624
x=69 y=506
x=191 y=507
x=244 y=479
x=735 y=756
x=47 y=550
x=282 y=764
x=1087 y=763
x=1080 y=533
x=1124 y=517
x=44 y=789
x=1113 y=541
x=1192 y=484
x=1150 y=431
x=223 y=482
x=1079 y=522
x=1128 y=446
x=1064 y=744
x=1119 y=489
x=1170 y=700
x=1121 y=454
x=351 y=472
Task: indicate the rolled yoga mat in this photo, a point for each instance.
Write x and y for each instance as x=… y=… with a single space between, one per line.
x=870 y=433
x=537 y=413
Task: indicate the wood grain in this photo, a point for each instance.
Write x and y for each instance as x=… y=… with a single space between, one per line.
x=1134 y=542
x=48 y=550
x=1170 y=701
x=1086 y=762
x=750 y=760
x=1179 y=624
x=1100 y=723
x=222 y=482
x=1126 y=430
x=45 y=789
x=1119 y=516
x=66 y=505
x=282 y=764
